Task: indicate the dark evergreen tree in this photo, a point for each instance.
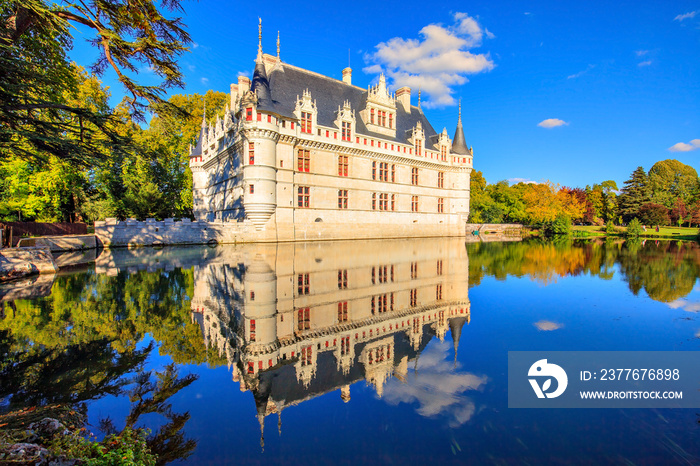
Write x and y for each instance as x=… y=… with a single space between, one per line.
x=36 y=120
x=635 y=193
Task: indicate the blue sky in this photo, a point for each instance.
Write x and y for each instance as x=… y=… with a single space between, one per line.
x=572 y=92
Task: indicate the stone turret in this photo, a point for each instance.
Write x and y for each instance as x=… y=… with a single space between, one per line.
x=459 y=144
x=259 y=150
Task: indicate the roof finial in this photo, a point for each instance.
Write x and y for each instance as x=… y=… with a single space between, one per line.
x=459 y=118
x=419 y=98
x=278 y=45
x=259 y=38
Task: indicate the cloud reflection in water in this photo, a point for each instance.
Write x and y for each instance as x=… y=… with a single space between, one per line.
x=437 y=386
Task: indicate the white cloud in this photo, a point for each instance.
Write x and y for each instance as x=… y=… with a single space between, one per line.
x=689 y=15
x=688 y=306
x=551 y=123
x=685 y=147
x=437 y=387
x=644 y=63
x=521 y=180
x=436 y=62
x=581 y=73
x=547 y=325
x=641 y=53
x=205 y=81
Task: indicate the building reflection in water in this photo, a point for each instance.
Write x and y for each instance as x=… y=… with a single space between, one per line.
x=296 y=321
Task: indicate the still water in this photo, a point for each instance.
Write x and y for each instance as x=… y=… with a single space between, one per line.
x=384 y=352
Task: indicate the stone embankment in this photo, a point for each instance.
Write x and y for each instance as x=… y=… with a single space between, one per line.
x=20 y=262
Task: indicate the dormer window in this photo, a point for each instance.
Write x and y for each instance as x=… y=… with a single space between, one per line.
x=418 y=147
x=306 y=122
x=249 y=114
x=306 y=113
x=371 y=116
x=391 y=121
x=347 y=132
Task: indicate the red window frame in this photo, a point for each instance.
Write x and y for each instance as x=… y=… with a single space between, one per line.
x=303 y=160
x=251 y=153
x=303 y=196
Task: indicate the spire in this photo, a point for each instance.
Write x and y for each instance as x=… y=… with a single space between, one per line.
x=261 y=421
x=259 y=58
x=278 y=45
x=419 y=98
x=456 y=325
x=459 y=144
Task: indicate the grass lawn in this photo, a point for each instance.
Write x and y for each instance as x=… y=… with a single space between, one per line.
x=664 y=232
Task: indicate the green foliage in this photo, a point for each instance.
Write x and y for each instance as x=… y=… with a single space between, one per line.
x=610 y=228
x=634 y=228
x=125 y=449
x=670 y=180
x=634 y=195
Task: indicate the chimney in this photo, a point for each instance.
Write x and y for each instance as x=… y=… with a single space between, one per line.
x=234 y=95
x=403 y=95
x=243 y=85
x=347 y=75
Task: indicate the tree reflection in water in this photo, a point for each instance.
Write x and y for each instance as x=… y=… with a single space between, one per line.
x=665 y=270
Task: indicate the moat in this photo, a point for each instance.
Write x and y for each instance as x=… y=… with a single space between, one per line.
x=376 y=352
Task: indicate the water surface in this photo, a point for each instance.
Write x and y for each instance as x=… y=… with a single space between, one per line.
x=345 y=352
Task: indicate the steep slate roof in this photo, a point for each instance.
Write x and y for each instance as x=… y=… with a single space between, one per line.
x=459 y=144
x=286 y=83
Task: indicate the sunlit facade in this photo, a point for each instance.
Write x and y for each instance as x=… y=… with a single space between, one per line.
x=300 y=155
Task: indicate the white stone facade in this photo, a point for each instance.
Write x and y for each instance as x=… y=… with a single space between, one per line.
x=302 y=156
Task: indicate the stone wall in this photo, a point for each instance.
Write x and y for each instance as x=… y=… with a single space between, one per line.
x=112 y=233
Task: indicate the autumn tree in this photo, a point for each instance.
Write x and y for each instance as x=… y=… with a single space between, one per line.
x=654 y=214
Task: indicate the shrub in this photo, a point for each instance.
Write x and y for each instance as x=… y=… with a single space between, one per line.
x=634 y=228
x=610 y=228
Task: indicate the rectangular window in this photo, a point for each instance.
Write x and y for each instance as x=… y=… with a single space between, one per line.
x=393 y=174
x=414 y=203
x=252 y=189
x=393 y=202
x=306 y=356
x=259 y=116
x=303 y=196
x=304 y=319
x=252 y=330
x=304 y=160
x=269 y=118
x=343 y=311
x=371 y=116
x=439 y=267
x=342 y=198
x=441 y=179
x=292 y=124
x=374 y=170
x=441 y=205
x=391 y=125
x=343 y=279
x=414 y=298
x=306 y=122
x=303 y=284
x=248 y=114
x=374 y=201
x=443 y=153
x=327 y=133
x=414 y=176
x=418 y=146
x=343 y=163
x=438 y=292
x=251 y=153
x=414 y=270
